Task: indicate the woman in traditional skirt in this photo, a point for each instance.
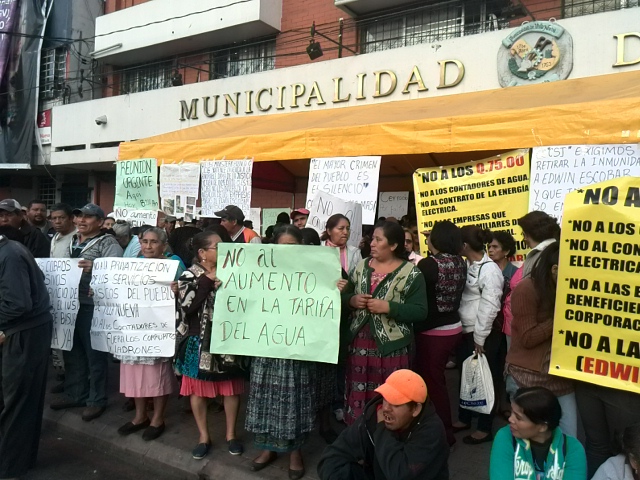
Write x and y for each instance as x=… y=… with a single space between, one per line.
x=282 y=398
x=206 y=375
x=144 y=377
x=388 y=295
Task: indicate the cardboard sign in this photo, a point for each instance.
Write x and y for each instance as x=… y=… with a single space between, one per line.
x=136 y=218
x=354 y=179
x=134 y=313
x=556 y=171
x=277 y=301
x=491 y=193
x=137 y=184
x=393 y=204
x=179 y=179
x=62 y=277
x=596 y=331
x=225 y=182
x=325 y=205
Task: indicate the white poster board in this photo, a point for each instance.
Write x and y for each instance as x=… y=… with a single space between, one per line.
x=254 y=216
x=352 y=179
x=225 y=182
x=393 y=204
x=325 y=205
x=269 y=216
x=134 y=313
x=179 y=179
x=556 y=171
x=62 y=278
x=136 y=218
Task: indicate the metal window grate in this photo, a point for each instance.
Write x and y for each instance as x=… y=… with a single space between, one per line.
x=576 y=8
x=430 y=24
x=146 y=77
x=53 y=72
x=47 y=191
x=243 y=60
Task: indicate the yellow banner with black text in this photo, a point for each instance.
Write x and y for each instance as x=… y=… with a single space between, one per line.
x=596 y=335
x=491 y=193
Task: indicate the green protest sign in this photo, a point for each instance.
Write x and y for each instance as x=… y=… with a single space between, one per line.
x=137 y=184
x=278 y=301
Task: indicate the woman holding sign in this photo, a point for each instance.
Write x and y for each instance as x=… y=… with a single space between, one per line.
x=206 y=375
x=145 y=377
x=282 y=399
x=336 y=234
x=387 y=294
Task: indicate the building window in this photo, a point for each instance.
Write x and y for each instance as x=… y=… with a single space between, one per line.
x=53 y=72
x=427 y=25
x=576 y=8
x=243 y=60
x=146 y=77
x=47 y=191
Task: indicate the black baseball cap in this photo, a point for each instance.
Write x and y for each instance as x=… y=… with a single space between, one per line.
x=10 y=205
x=231 y=211
x=90 y=209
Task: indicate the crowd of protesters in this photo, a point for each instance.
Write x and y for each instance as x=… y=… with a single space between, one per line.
x=405 y=318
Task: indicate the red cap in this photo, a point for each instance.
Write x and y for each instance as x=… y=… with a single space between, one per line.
x=403 y=386
x=299 y=211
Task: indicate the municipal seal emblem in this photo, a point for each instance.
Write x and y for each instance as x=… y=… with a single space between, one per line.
x=535 y=52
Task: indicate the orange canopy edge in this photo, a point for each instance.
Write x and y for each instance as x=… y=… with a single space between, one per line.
x=595 y=110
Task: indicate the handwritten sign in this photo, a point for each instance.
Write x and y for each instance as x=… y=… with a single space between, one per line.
x=62 y=277
x=180 y=179
x=269 y=216
x=393 y=204
x=136 y=218
x=325 y=205
x=491 y=193
x=277 y=301
x=225 y=182
x=134 y=311
x=353 y=179
x=556 y=171
x=137 y=184
x=596 y=335
x=254 y=216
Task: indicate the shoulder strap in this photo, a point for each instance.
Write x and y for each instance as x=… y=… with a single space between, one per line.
x=564 y=446
x=479 y=271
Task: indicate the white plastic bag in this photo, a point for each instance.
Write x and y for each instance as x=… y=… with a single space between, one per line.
x=476 y=388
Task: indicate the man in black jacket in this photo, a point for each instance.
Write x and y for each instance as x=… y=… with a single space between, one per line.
x=36 y=242
x=25 y=342
x=399 y=436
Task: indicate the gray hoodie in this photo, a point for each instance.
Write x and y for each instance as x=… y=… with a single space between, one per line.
x=616 y=468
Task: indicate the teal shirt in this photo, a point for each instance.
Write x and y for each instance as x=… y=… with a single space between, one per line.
x=503 y=453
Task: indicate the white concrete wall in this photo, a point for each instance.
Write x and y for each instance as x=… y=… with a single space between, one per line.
x=136 y=116
x=268 y=12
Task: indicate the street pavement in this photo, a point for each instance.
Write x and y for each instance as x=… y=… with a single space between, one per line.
x=102 y=450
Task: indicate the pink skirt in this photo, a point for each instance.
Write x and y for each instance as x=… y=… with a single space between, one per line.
x=146 y=381
x=206 y=389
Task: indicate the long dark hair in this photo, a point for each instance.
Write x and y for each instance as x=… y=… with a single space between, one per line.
x=539 y=226
x=287 y=230
x=333 y=222
x=201 y=241
x=446 y=237
x=394 y=234
x=475 y=237
x=542 y=277
x=309 y=236
x=539 y=405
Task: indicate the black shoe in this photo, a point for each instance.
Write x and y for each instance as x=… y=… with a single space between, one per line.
x=64 y=404
x=130 y=427
x=57 y=389
x=469 y=440
x=200 y=451
x=256 y=467
x=235 y=447
x=151 y=433
x=296 y=474
x=91 y=413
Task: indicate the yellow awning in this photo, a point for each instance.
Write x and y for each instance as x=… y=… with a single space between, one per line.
x=594 y=110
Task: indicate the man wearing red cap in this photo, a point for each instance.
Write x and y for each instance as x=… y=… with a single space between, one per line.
x=299 y=217
x=398 y=435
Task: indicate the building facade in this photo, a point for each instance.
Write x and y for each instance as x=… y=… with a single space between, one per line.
x=156 y=66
